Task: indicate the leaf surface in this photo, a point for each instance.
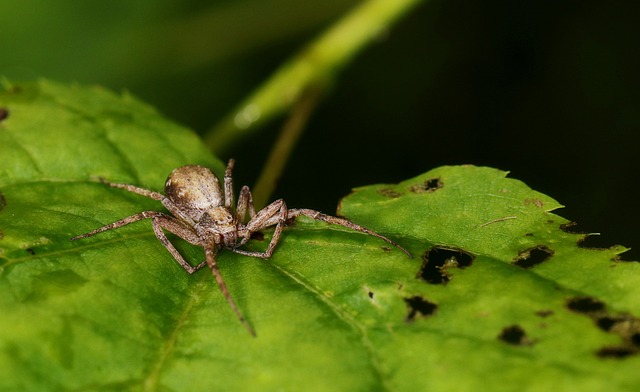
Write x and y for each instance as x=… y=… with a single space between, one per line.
x=499 y=295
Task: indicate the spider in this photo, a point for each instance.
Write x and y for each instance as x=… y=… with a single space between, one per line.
x=203 y=215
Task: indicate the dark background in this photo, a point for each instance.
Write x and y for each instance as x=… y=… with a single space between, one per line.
x=548 y=90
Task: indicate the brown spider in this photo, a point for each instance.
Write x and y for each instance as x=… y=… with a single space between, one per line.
x=203 y=216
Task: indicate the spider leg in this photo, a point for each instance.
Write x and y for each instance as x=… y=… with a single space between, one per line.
x=134 y=189
x=159 y=221
x=228 y=184
x=342 y=222
x=210 y=259
x=245 y=201
x=120 y=223
x=178 y=228
x=273 y=214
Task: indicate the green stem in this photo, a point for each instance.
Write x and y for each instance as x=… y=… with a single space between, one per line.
x=316 y=64
x=279 y=155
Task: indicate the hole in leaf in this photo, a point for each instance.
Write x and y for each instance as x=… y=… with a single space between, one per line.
x=590 y=240
x=31 y=251
x=594 y=241
x=531 y=257
x=430 y=185
x=370 y=294
x=419 y=307
x=585 y=305
x=4 y=114
x=389 y=193
x=514 y=335
x=439 y=260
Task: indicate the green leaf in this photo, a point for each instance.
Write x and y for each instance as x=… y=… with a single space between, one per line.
x=499 y=296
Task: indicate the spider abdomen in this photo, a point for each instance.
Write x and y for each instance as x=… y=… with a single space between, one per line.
x=195 y=189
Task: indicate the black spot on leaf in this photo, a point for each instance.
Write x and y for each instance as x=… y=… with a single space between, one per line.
x=430 y=185
x=616 y=352
x=606 y=323
x=419 y=307
x=4 y=114
x=439 y=260
x=515 y=335
x=624 y=325
x=531 y=257
x=585 y=305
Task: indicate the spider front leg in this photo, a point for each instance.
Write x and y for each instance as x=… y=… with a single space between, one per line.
x=228 y=184
x=176 y=227
x=245 y=198
x=245 y=201
x=120 y=223
x=159 y=221
x=273 y=214
x=342 y=222
x=134 y=189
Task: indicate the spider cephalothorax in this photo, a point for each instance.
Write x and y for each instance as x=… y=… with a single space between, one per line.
x=203 y=215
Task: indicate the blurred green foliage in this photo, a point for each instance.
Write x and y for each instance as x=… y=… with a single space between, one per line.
x=548 y=90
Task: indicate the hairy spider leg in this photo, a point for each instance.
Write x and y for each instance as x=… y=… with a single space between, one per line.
x=268 y=217
x=228 y=184
x=150 y=194
x=176 y=227
x=293 y=213
x=245 y=198
x=134 y=189
x=159 y=221
x=245 y=201
x=276 y=212
x=210 y=253
x=120 y=223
